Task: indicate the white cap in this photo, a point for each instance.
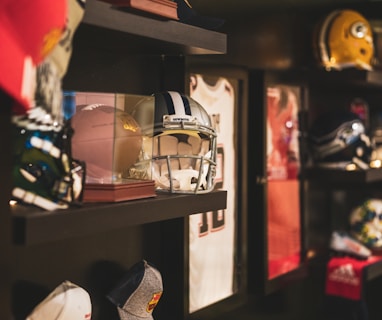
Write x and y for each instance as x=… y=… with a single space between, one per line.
x=67 y=302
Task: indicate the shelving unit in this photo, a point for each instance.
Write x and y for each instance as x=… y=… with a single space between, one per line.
x=331 y=179
x=122 y=230
x=117 y=50
x=332 y=176
x=348 y=77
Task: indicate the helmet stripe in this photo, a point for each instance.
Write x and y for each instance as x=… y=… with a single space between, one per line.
x=163 y=106
x=178 y=103
x=169 y=102
x=324 y=36
x=186 y=103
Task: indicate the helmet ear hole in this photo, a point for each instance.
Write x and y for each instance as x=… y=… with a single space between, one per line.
x=358 y=30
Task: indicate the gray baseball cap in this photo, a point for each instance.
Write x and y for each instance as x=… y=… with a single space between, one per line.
x=138 y=292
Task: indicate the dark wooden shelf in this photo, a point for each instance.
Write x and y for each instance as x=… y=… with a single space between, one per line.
x=348 y=77
x=34 y=226
x=334 y=176
x=105 y=26
x=292 y=276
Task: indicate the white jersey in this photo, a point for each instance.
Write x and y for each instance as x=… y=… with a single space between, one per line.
x=211 y=236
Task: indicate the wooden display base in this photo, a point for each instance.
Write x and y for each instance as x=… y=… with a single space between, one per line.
x=121 y=191
x=164 y=8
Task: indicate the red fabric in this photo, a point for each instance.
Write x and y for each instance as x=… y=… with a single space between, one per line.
x=344 y=276
x=283 y=226
x=29 y=30
x=283 y=190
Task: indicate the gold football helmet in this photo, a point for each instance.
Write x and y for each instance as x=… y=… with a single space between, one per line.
x=345 y=40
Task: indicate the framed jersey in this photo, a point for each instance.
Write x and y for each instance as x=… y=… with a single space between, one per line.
x=276 y=182
x=283 y=186
x=213 y=254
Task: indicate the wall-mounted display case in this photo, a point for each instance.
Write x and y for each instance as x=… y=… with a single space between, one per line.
x=278 y=181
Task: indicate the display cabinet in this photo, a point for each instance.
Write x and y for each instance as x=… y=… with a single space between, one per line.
x=333 y=194
x=94 y=244
x=221 y=234
x=120 y=51
x=276 y=155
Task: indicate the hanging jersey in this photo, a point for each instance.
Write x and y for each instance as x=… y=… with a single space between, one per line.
x=212 y=234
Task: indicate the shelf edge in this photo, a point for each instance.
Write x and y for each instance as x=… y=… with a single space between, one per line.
x=37 y=227
x=102 y=14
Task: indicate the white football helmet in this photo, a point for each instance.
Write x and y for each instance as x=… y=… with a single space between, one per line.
x=179 y=144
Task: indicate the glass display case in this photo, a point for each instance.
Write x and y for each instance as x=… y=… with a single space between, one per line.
x=109 y=140
x=283 y=187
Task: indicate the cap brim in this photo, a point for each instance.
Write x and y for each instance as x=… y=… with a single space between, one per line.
x=124 y=315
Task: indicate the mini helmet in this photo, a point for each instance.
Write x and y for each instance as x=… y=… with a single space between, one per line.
x=345 y=40
x=366 y=223
x=179 y=144
x=99 y=126
x=338 y=140
x=44 y=172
